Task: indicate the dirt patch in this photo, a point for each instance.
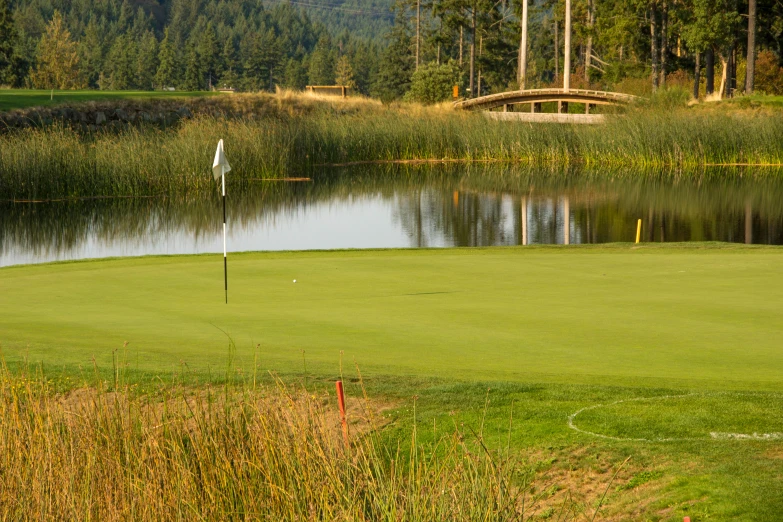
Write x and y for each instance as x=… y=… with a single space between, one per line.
x=775 y=453
x=577 y=482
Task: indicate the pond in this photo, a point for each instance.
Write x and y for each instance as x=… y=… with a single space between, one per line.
x=407 y=206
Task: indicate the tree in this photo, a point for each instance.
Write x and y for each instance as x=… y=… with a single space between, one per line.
x=209 y=54
x=433 y=83
x=344 y=73
x=710 y=25
x=194 y=71
x=8 y=52
x=122 y=63
x=750 y=69
x=396 y=63
x=321 y=70
x=91 y=52
x=295 y=75
x=57 y=58
x=146 y=61
x=769 y=77
x=166 y=74
x=263 y=67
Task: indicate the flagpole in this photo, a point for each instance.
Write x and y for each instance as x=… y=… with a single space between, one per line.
x=225 y=261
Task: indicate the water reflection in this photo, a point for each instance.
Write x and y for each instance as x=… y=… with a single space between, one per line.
x=425 y=206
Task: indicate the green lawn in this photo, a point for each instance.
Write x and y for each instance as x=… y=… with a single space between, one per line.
x=23 y=98
x=658 y=347
x=655 y=316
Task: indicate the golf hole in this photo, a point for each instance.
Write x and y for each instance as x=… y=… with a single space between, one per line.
x=692 y=416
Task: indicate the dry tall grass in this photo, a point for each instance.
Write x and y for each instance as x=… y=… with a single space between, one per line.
x=293 y=135
x=234 y=453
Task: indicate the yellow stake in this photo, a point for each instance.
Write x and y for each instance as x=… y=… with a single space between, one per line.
x=638 y=230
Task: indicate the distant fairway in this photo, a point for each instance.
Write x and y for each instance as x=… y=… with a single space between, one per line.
x=653 y=316
x=23 y=98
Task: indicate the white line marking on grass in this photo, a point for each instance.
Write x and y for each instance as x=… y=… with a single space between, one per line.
x=745 y=436
x=625 y=439
x=714 y=435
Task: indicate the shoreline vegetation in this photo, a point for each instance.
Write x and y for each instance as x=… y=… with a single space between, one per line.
x=273 y=450
x=289 y=135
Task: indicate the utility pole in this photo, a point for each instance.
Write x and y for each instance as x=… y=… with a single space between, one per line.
x=523 y=49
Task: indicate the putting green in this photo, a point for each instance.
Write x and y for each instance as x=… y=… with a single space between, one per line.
x=705 y=317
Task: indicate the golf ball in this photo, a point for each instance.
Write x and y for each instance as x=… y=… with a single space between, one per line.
x=294 y=280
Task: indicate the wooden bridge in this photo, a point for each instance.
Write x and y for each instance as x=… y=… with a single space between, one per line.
x=538 y=96
x=535 y=97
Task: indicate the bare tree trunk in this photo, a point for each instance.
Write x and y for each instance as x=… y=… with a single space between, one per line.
x=522 y=74
x=418 y=31
x=750 y=73
x=567 y=52
x=697 y=77
x=589 y=45
x=472 y=51
x=654 y=46
x=481 y=48
x=461 y=39
x=724 y=76
x=557 y=51
x=733 y=70
x=664 y=41
x=710 y=72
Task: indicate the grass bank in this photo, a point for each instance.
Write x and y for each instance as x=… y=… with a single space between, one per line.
x=286 y=135
x=11 y=99
x=237 y=452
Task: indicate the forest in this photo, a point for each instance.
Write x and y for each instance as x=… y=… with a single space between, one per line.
x=414 y=49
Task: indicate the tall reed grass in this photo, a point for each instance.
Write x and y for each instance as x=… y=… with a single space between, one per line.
x=230 y=453
x=59 y=162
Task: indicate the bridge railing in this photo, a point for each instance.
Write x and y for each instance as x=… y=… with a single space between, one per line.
x=546 y=95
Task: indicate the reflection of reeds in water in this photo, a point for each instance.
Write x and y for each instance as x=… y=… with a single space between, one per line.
x=238 y=452
x=424 y=205
x=58 y=162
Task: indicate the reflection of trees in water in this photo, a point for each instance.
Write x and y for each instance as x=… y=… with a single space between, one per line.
x=432 y=217
x=441 y=205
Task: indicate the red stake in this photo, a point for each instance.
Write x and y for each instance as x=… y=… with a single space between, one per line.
x=341 y=402
x=686 y=519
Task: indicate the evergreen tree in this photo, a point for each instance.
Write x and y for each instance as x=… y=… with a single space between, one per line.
x=146 y=61
x=166 y=74
x=321 y=70
x=295 y=76
x=91 y=53
x=8 y=51
x=396 y=64
x=344 y=73
x=209 y=54
x=194 y=71
x=121 y=63
x=57 y=64
x=227 y=65
x=264 y=68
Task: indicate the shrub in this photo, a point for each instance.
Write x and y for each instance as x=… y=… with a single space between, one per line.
x=769 y=75
x=433 y=83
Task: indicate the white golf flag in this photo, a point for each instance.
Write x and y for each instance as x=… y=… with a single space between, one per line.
x=220 y=166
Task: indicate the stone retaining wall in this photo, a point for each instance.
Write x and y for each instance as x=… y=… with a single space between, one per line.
x=92 y=118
